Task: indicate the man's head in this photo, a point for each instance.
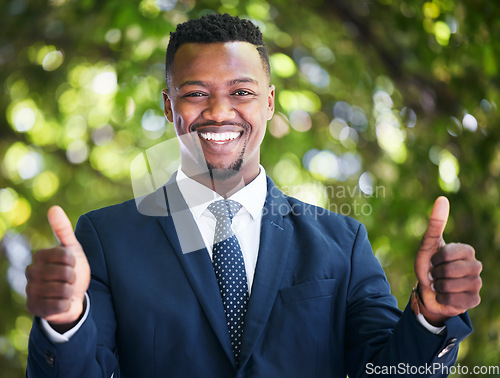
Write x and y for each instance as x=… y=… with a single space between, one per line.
x=219 y=98
x=212 y=29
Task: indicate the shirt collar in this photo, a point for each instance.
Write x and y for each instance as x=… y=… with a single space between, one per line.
x=197 y=196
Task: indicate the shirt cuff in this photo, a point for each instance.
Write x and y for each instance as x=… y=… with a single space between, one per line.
x=58 y=338
x=429 y=327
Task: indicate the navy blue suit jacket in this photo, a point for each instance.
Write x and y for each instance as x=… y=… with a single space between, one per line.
x=320 y=304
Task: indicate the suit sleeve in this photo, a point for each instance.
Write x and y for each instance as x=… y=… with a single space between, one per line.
x=384 y=340
x=91 y=350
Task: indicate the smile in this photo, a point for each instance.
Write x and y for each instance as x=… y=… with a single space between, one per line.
x=220 y=137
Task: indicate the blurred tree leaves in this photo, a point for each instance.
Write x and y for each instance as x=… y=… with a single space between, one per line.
x=381 y=107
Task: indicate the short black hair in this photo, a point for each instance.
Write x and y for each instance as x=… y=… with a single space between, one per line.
x=212 y=29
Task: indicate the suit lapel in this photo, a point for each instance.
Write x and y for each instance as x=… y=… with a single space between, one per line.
x=185 y=239
x=274 y=246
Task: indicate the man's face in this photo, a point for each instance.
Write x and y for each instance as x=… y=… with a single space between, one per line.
x=220 y=100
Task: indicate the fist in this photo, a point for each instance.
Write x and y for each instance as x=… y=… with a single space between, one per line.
x=58 y=277
x=448 y=274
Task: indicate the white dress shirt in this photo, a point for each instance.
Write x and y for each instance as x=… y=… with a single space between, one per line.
x=245 y=224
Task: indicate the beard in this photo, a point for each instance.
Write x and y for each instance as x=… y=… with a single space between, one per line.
x=218 y=173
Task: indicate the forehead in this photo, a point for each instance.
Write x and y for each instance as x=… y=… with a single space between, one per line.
x=195 y=61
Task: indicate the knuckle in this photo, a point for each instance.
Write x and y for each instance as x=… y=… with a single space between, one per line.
x=479 y=266
x=477 y=284
x=473 y=301
x=470 y=250
x=466 y=249
x=478 y=300
x=29 y=272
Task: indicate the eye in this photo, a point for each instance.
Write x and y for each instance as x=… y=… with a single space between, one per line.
x=194 y=94
x=242 y=92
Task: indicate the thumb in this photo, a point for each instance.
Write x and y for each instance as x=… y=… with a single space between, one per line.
x=61 y=226
x=433 y=239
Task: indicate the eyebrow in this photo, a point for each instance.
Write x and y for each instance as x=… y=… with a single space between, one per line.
x=243 y=80
x=193 y=82
x=230 y=83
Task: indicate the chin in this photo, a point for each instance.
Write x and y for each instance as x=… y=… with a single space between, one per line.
x=225 y=173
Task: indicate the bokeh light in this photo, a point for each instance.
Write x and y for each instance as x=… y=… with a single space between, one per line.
x=53 y=60
x=401 y=96
x=282 y=65
x=105 y=83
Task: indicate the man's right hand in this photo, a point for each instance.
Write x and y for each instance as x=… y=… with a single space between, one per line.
x=58 y=277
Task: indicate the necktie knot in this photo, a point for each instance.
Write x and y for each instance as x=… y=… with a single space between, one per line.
x=224 y=209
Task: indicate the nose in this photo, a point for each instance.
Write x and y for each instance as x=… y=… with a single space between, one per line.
x=219 y=109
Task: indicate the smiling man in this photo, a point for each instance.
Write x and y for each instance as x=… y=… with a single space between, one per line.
x=221 y=94
x=274 y=288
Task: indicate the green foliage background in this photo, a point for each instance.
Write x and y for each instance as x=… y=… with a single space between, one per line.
x=399 y=96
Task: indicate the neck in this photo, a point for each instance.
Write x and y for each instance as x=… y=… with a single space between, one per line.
x=225 y=187
x=223 y=184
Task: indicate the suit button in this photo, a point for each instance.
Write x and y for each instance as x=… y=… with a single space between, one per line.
x=49 y=358
x=449 y=346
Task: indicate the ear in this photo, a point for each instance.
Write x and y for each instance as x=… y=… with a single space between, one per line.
x=167 y=106
x=270 y=102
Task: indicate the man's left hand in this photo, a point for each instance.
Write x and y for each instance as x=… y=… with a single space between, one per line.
x=448 y=274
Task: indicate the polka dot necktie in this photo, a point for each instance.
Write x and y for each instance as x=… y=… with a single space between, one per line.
x=230 y=270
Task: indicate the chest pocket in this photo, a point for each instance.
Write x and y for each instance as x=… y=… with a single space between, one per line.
x=308 y=290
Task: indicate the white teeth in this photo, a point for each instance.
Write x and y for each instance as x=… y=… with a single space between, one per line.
x=220 y=137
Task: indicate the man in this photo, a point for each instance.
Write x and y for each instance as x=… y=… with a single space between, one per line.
x=272 y=290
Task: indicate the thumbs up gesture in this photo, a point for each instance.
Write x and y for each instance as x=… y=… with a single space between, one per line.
x=58 y=277
x=448 y=274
